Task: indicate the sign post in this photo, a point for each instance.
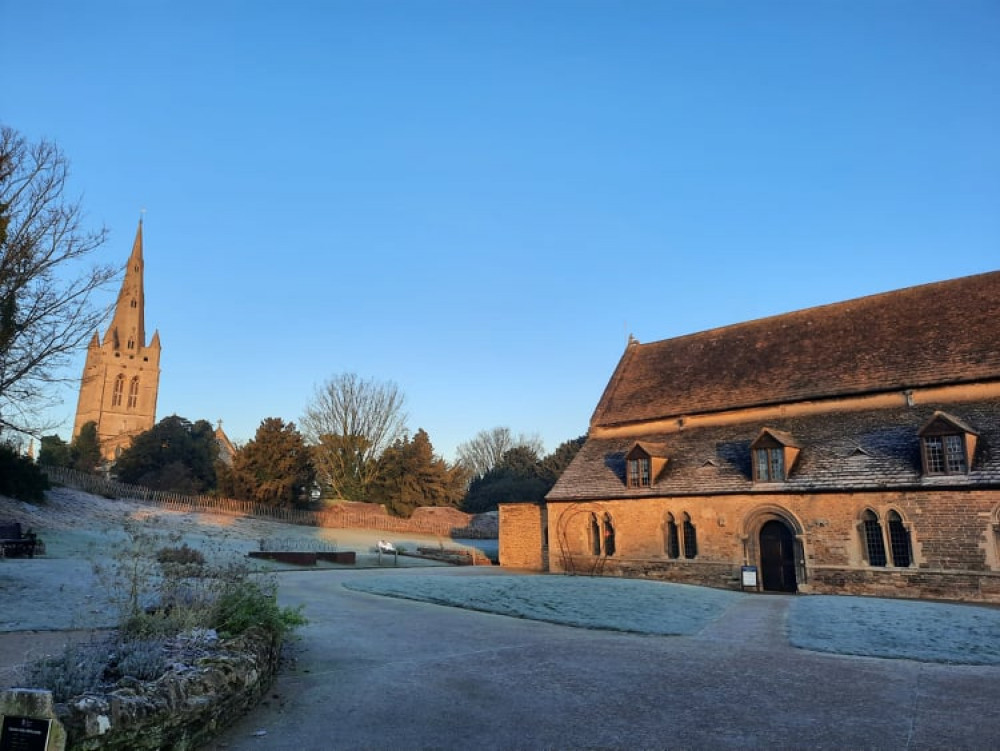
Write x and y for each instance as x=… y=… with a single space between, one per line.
x=749 y=577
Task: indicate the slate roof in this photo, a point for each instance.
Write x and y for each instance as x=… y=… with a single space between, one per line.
x=846 y=451
x=946 y=332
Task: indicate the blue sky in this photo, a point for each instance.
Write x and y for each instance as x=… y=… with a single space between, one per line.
x=481 y=200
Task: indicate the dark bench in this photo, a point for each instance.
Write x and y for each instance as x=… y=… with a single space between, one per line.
x=14 y=543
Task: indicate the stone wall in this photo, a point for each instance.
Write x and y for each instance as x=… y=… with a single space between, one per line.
x=522 y=541
x=954 y=536
x=181 y=710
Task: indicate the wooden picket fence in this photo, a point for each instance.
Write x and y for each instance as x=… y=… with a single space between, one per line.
x=333 y=518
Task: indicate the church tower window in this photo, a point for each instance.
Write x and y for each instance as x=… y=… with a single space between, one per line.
x=133 y=393
x=116 y=393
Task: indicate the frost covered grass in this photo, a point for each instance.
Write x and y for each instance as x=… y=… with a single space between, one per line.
x=927 y=631
x=866 y=626
x=632 y=605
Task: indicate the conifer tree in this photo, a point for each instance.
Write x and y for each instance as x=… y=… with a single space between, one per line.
x=274 y=468
x=411 y=475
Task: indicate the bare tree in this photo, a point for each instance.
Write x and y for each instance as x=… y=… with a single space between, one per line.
x=45 y=289
x=484 y=451
x=349 y=423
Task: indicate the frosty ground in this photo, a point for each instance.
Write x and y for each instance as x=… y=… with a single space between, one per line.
x=59 y=591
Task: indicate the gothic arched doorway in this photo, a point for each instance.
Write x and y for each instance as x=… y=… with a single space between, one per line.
x=777 y=557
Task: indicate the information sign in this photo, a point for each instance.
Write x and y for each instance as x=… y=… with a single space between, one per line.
x=24 y=733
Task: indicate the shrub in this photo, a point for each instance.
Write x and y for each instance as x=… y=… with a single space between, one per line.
x=182 y=556
x=78 y=669
x=249 y=603
x=160 y=595
x=142 y=659
x=87 y=667
x=20 y=477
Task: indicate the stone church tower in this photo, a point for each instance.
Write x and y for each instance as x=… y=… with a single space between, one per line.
x=121 y=376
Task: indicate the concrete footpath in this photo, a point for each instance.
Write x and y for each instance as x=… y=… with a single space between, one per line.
x=372 y=672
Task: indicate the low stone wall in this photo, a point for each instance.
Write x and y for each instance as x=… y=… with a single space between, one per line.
x=907 y=582
x=181 y=710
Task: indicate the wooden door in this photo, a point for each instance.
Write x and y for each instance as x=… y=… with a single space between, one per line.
x=777 y=557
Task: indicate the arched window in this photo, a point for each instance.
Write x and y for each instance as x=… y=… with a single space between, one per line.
x=117 y=391
x=690 y=538
x=874 y=544
x=671 y=540
x=609 y=536
x=595 y=535
x=602 y=535
x=899 y=540
x=133 y=393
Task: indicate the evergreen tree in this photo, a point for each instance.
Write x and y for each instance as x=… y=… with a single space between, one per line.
x=556 y=463
x=86 y=451
x=520 y=476
x=274 y=468
x=20 y=477
x=55 y=452
x=175 y=454
x=411 y=475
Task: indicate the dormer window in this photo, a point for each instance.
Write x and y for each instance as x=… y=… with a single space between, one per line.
x=773 y=454
x=638 y=472
x=643 y=463
x=947 y=445
x=769 y=465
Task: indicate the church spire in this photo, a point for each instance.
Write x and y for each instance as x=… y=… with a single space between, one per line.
x=128 y=327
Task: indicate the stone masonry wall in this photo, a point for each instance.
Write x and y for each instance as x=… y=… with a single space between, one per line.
x=954 y=538
x=181 y=710
x=522 y=531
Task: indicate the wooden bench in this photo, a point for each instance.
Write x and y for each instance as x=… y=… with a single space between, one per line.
x=14 y=543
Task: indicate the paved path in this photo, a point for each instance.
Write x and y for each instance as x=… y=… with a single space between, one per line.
x=380 y=673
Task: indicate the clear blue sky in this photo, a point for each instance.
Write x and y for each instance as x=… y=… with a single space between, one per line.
x=481 y=200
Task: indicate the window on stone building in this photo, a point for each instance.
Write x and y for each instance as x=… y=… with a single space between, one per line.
x=638 y=472
x=671 y=540
x=947 y=445
x=774 y=455
x=609 y=536
x=944 y=455
x=874 y=544
x=690 y=538
x=899 y=540
x=117 y=391
x=595 y=535
x=133 y=393
x=769 y=465
x=602 y=535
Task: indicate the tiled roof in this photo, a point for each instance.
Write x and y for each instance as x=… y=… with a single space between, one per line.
x=846 y=451
x=933 y=334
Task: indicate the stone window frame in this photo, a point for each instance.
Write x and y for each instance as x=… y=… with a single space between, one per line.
x=602 y=535
x=118 y=390
x=900 y=539
x=133 y=393
x=671 y=537
x=886 y=539
x=947 y=445
x=689 y=537
x=995 y=529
